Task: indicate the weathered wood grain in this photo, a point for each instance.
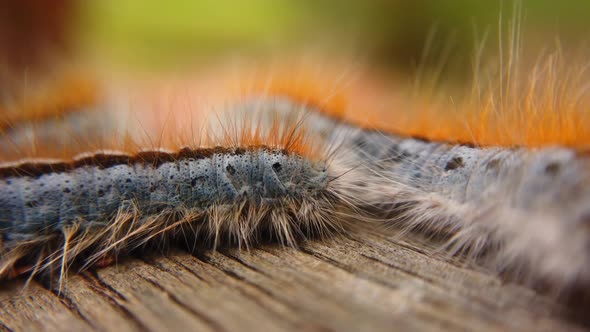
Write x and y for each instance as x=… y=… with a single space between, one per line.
x=361 y=282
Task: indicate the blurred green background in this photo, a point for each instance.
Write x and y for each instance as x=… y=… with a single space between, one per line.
x=389 y=33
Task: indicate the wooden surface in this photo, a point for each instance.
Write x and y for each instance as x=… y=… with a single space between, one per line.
x=362 y=282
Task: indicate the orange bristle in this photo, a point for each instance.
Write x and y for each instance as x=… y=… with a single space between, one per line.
x=68 y=93
x=541 y=106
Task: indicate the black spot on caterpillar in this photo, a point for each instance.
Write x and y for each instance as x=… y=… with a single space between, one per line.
x=456 y=162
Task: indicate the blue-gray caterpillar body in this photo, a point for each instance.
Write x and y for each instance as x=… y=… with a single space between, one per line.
x=44 y=202
x=111 y=201
x=521 y=210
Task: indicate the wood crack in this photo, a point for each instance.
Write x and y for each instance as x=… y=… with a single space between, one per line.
x=99 y=287
x=202 y=317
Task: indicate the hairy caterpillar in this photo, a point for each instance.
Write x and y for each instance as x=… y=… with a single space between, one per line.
x=254 y=183
x=494 y=204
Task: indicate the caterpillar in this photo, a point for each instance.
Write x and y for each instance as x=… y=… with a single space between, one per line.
x=519 y=209
x=509 y=207
x=266 y=185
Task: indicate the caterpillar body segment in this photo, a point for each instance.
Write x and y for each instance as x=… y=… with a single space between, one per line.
x=530 y=207
x=45 y=197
